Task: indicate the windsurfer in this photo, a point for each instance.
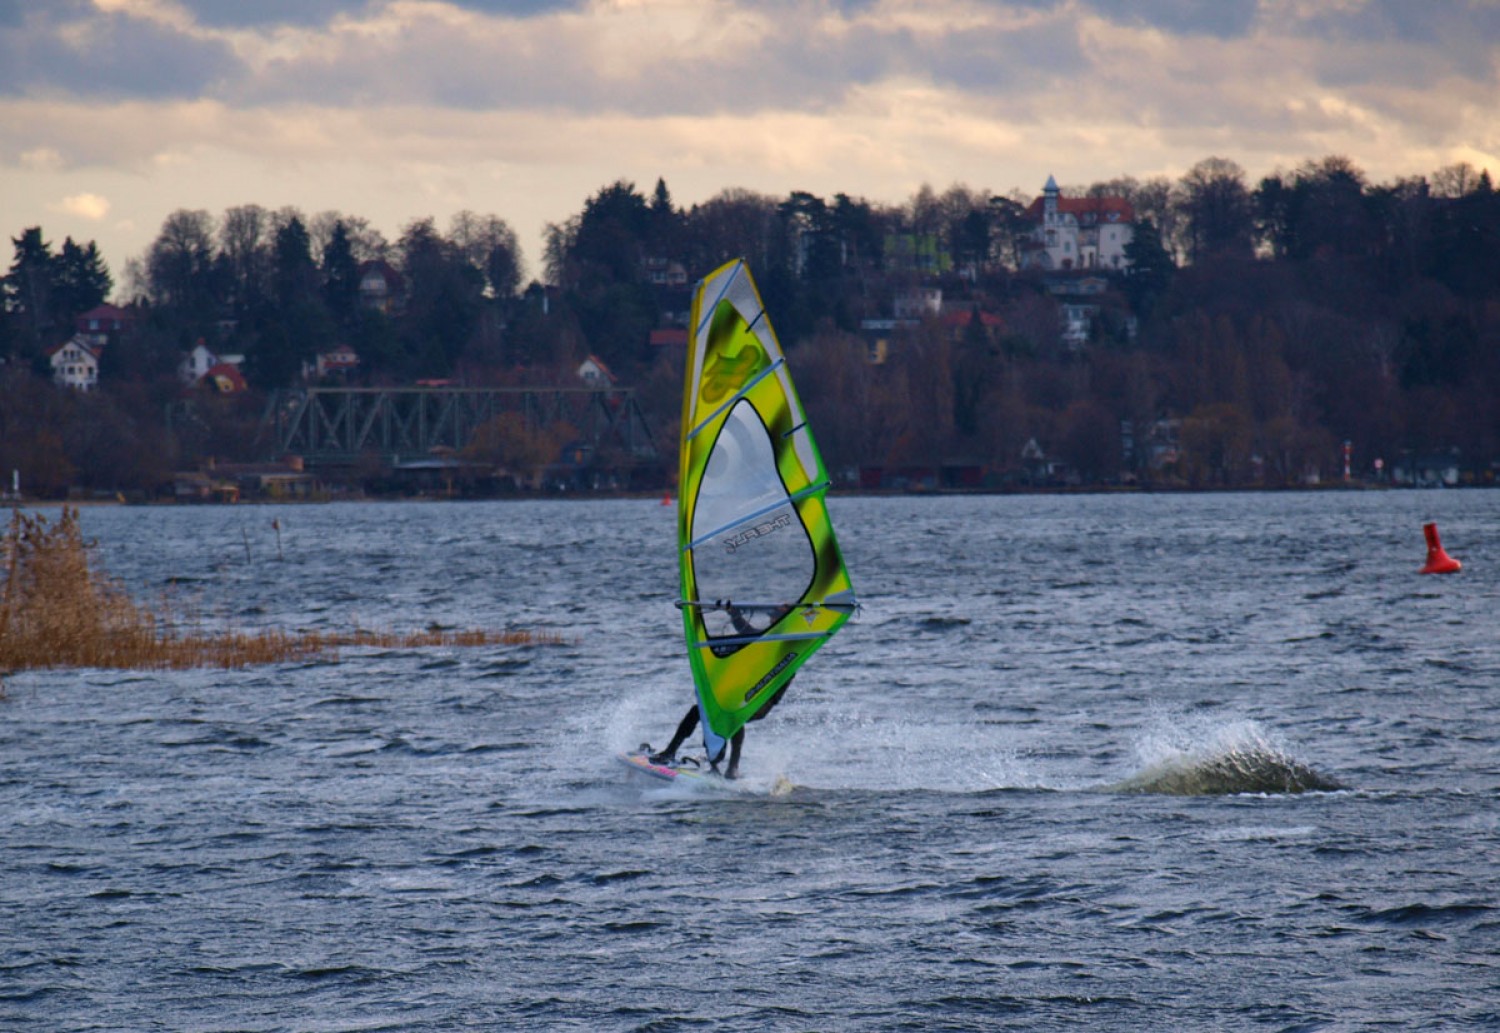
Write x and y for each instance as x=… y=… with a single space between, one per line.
x=690 y=719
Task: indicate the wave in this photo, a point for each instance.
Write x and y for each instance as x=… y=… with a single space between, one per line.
x=1238 y=760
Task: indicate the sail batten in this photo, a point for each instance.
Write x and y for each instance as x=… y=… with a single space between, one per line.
x=750 y=518
x=747 y=639
x=752 y=513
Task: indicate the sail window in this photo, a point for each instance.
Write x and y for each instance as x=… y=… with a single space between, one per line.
x=751 y=545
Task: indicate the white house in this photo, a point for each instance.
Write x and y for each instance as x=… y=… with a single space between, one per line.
x=1077 y=232
x=196 y=363
x=593 y=372
x=75 y=363
x=341 y=360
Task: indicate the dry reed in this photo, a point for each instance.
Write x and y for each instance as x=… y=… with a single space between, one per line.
x=56 y=611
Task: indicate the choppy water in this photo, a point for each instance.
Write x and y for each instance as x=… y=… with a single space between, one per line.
x=437 y=839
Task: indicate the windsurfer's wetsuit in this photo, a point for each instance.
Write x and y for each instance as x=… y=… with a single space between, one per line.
x=690 y=719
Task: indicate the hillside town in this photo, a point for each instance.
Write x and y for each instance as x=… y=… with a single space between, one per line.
x=1312 y=329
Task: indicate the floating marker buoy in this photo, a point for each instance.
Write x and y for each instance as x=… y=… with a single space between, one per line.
x=1438 y=561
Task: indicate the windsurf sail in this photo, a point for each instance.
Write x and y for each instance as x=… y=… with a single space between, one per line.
x=764 y=584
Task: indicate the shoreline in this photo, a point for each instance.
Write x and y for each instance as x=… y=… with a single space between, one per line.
x=836 y=491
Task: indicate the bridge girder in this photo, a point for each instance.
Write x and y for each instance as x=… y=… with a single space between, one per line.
x=339 y=425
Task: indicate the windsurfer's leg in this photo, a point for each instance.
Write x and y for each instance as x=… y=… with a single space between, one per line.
x=684 y=729
x=737 y=740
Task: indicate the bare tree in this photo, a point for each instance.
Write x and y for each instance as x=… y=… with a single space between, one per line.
x=1454 y=180
x=365 y=241
x=1217 y=209
x=177 y=262
x=245 y=244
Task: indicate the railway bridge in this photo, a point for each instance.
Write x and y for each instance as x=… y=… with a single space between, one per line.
x=338 y=426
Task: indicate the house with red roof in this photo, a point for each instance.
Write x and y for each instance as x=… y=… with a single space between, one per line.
x=381 y=287
x=1076 y=233
x=338 y=361
x=673 y=337
x=103 y=323
x=225 y=378
x=960 y=322
x=593 y=372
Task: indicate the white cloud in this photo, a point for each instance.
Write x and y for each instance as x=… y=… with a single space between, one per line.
x=85 y=206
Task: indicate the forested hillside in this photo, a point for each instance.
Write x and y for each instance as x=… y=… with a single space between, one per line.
x=1259 y=327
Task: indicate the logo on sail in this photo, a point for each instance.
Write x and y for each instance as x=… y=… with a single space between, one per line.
x=734 y=357
x=760 y=530
x=771 y=674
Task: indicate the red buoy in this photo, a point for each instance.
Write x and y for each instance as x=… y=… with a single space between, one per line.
x=1438 y=561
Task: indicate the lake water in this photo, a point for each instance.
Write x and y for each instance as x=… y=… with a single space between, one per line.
x=439 y=839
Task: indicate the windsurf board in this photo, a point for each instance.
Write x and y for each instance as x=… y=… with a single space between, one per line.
x=641 y=762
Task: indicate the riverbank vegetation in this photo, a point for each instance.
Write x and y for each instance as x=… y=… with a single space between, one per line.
x=1256 y=329
x=58 y=610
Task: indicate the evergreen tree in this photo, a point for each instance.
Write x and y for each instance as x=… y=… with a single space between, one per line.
x=1150 y=268
x=340 y=276
x=294 y=276
x=446 y=293
x=615 y=225
x=81 y=280
x=28 y=288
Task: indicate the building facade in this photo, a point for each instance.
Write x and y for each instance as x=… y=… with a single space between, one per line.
x=1077 y=233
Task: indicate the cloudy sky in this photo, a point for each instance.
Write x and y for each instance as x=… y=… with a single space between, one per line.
x=113 y=113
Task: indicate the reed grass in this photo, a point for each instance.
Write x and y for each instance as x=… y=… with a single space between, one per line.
x=57 y=611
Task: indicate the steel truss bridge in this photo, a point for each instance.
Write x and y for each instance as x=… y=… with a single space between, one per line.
x=331 y=426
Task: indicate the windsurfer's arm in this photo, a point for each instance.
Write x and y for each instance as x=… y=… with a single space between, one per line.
x=741 y=625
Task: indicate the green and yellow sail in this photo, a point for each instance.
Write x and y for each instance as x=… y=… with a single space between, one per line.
x=763 y=581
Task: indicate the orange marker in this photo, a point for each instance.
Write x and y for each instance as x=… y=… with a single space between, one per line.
x=1438 y=561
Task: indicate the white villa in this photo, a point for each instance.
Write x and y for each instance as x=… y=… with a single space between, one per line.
x=1076 y=233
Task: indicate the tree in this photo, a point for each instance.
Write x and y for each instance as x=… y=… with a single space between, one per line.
x=1090 y=441
x=519 y=447
x=294 y=275
x=28 y=289
x=445 y=296
x=1216 y=442
x=665 y=233
x=611 y=233
x=1322 y=211
x=180 y=265
x=1149 y=268
x=340 y=275
x=489 y=245
x=971 y=244
x=734 y=223
x=244 y=244
x=1218 y=210
x=80 y=279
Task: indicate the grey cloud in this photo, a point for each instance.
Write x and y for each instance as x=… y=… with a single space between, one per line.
x=115 y=57
x=237 y=14
x=1223 y=19
x=794 y=68
x=1455 y=35
x=510 y=63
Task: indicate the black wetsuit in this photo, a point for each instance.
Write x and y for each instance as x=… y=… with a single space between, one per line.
x=690 y=719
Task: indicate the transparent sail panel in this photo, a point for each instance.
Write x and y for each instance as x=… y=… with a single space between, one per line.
x=751 y=546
